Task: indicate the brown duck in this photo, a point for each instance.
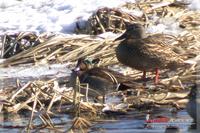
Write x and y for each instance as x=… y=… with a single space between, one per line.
x=145 y=53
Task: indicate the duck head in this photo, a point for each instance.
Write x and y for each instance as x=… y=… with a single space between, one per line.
x=133 y=31
x=85 y=64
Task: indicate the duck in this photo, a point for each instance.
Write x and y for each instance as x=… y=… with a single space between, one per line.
x=101 y=81
x=145 y=53
x=191 y=106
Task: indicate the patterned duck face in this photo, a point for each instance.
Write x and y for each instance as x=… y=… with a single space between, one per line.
x=86 y=64
x=82 y=66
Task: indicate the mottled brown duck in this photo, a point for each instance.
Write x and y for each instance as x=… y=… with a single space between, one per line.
x=101 y=81
x=145 y=53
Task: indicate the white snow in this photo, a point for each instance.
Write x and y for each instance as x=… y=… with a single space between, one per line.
x=57 y=70
x=48 y=15
x=55 y=15
x=195 y=4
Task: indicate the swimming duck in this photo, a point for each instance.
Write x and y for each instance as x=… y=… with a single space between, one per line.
x=100 y=80
x=145 y=53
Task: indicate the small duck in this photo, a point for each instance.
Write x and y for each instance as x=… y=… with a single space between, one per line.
x=192 y=105
x=100 y=80
x=145 y=53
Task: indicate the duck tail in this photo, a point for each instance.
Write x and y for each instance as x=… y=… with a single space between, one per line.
x=185 y=64
x=191 y=62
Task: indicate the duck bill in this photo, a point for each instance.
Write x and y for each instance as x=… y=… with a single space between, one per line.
x=123 y=36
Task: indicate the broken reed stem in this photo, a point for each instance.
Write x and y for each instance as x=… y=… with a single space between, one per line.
x=99 y=22
x=78 y=122
x=22 y=105
x=43 y=120
x=32 y=113
x=46 y=121
x=86 y=93
x=49 y=118
x=51 y=103
x=20 y=90
x=77 y=98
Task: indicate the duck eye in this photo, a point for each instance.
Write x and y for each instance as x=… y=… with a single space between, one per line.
x=96 y=61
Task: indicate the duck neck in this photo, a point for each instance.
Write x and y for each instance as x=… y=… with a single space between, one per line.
x=138 y=35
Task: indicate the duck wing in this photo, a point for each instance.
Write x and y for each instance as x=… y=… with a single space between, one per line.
x=161 y=52
x=113 y=77
x=165 y=39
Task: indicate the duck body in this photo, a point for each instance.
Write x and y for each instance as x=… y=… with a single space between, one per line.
x=99 y=81
x=146 y=56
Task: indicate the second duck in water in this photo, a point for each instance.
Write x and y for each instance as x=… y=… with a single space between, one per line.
x=145 y=54
x=99 y=80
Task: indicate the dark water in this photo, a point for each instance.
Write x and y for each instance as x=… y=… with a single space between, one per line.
x=133 y=121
